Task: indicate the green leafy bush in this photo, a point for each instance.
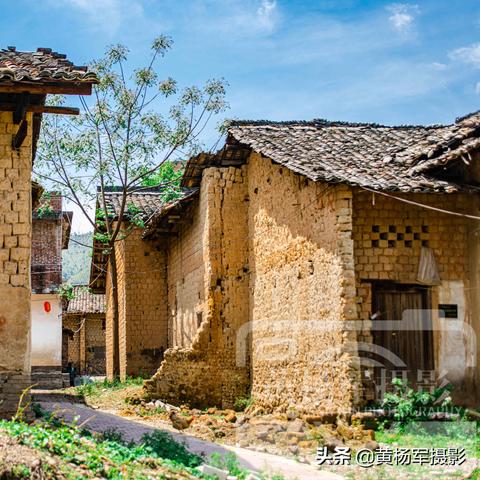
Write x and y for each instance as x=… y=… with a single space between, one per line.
x=405 y=404
x=65 y=291
x=164 y=446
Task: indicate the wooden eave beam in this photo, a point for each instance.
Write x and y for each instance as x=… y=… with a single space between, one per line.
x=11 y=107
x=19 y=137
x=67 y=88
x=20 y=108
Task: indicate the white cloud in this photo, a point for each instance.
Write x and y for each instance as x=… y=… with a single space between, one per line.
x=238 y=18
x=266 y=14
x=105 y=15
x=439 y=66
x=402 y=16
x=469 y=55
x=477 y=88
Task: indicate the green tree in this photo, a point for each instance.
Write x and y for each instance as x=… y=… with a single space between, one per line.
x=169 y=175
x=130 y=130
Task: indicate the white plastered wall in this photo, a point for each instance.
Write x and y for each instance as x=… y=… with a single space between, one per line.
x=456 y=338
x=46 y=331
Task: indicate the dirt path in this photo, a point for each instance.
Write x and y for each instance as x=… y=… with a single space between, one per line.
x=100 y=421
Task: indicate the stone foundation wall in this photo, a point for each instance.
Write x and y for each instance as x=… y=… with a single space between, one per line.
x=15 y=242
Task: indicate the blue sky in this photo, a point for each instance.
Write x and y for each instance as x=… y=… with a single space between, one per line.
x=385 y=62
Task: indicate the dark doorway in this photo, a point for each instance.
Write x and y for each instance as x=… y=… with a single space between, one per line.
x=65 y=334
x=411 y=340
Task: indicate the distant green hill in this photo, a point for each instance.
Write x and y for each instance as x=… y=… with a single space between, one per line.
x=76 y=260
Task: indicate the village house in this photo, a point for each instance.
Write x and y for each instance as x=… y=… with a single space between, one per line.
x=25 y=80
x=83 y=333
x=51 y=228
x=143 y=320
x=307 y=264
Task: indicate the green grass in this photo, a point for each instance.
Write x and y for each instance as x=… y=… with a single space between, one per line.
x=108 y=457
x=97 y=387
x=452 y=434
x=459 y=434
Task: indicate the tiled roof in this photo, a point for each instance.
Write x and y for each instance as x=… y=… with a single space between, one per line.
x=368 y=155
x=186 y=196
x=44 y=65
x=86 y=302
x=459 y=139
x=148 y=201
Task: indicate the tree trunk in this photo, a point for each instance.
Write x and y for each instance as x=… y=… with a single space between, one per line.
x=115 y=312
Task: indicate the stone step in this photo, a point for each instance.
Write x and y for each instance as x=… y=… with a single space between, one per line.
x=39 y=395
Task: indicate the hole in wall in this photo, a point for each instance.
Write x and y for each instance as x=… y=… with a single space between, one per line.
x=311 y=268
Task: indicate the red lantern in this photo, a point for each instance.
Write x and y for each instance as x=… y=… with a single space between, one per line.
x=47 y=307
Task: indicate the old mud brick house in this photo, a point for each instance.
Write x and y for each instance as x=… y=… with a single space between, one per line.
x=51 y=228
x=25 y=80
x=83 y=333
x=141 y=270
x=296 y=247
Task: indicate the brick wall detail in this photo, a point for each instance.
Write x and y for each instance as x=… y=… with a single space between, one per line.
x=15 y=239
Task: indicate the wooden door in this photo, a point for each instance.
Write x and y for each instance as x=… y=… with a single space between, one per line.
x=412 y=347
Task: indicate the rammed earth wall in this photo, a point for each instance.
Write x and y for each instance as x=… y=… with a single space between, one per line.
x=208 y=267
x=302 y=291
x=268 y=266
